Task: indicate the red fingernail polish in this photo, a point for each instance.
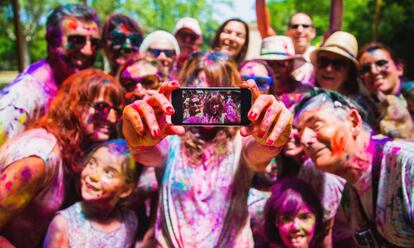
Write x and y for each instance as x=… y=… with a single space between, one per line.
x=170 y=110
x=261 y=134
x=174 y=83
x=156 y=132
x=269 y=142
x=252 y=116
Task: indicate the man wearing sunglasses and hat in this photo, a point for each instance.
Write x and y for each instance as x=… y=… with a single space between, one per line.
x=278 y=51
x=73 y=37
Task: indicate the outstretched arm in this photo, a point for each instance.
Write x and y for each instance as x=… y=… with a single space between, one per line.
x=19 y=182
x=269 y=130
x=145 y=126
x=335 y=17
x=263 y=19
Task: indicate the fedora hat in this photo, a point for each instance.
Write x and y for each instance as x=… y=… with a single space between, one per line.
x=341 y=43
x=278 y=47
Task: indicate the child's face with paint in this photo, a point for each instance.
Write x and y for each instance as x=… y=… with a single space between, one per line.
x=325 y=138
x=103 y=180
x=80 y=42
x=297 y=231
x=99 y=119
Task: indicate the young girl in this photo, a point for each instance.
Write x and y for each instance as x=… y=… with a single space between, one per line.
x=293 y=215
x=108 y=178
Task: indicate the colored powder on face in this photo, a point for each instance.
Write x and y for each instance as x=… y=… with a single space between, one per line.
x=338 y=144
x=26 y=175
x=72 y=24
x=3 y=177
x=8 y=186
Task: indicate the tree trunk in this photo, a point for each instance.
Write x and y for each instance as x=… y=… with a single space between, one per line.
x=19 y=35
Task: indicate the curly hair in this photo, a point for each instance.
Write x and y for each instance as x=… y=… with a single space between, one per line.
x=74 y=97
x=214 y=99
x=243 y=52
x=288 y=196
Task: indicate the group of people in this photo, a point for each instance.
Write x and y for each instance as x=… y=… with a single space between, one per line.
x=91 y=159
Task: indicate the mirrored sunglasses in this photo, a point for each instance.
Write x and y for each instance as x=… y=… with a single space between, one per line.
x=121 y=38
x=263 y=83
x=102 y=109
x=78 y=41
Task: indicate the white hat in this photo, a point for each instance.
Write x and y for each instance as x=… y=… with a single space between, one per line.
x=278 y=47
x=159 y=35
x=189 y=23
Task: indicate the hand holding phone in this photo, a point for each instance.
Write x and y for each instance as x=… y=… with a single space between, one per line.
x=145 y=122
x=271 y=121
x=211 y=106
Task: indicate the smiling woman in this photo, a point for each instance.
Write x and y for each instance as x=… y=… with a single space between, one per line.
x=38 y=166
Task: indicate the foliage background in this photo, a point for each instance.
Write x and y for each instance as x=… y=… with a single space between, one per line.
x=396 y=25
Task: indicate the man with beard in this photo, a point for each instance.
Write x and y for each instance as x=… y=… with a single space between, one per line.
x=189 y=37
x=73 y=37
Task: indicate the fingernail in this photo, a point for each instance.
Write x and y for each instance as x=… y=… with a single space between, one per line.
x=156 y=132
x=252 y=116
x=269 y=142
x=261 y=134
x=174 y=83
x=170 y=110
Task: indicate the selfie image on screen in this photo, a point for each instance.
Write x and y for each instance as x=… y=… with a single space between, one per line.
x=212 y=106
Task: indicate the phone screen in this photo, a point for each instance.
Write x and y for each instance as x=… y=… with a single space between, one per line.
x=211 y=106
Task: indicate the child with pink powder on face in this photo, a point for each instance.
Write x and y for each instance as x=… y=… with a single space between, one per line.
x=109 y=177
x=293 y=216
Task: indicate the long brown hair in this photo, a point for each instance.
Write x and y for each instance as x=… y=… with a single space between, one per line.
x=216 y=41
x=74 y=98
x=220 y=71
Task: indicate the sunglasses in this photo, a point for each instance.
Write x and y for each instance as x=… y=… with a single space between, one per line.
x=157 y=52
x=210 y=55
x=187 y=36
x=78 y=41
x=296 y=26
x=278 y=63
x=102 y=109
x=263 y=83
x=149 y=82
x=380 y=65
x=121 y=38
x=337 y=64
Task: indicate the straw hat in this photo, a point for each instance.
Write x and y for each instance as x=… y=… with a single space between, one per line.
x=341 y=43
x=278 y=47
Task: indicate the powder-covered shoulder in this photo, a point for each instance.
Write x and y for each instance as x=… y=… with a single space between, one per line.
x=35 y=142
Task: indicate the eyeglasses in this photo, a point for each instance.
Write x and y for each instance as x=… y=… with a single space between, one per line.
x=263 y=83
x=120 y=39
x=337 y=64
x=102 y=109
x=78 y=41
x=157 y=52
x=151 y=81
x=380 y=65
x=296 y=26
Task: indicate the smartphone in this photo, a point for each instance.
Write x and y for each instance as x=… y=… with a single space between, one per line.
x=211 y=106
